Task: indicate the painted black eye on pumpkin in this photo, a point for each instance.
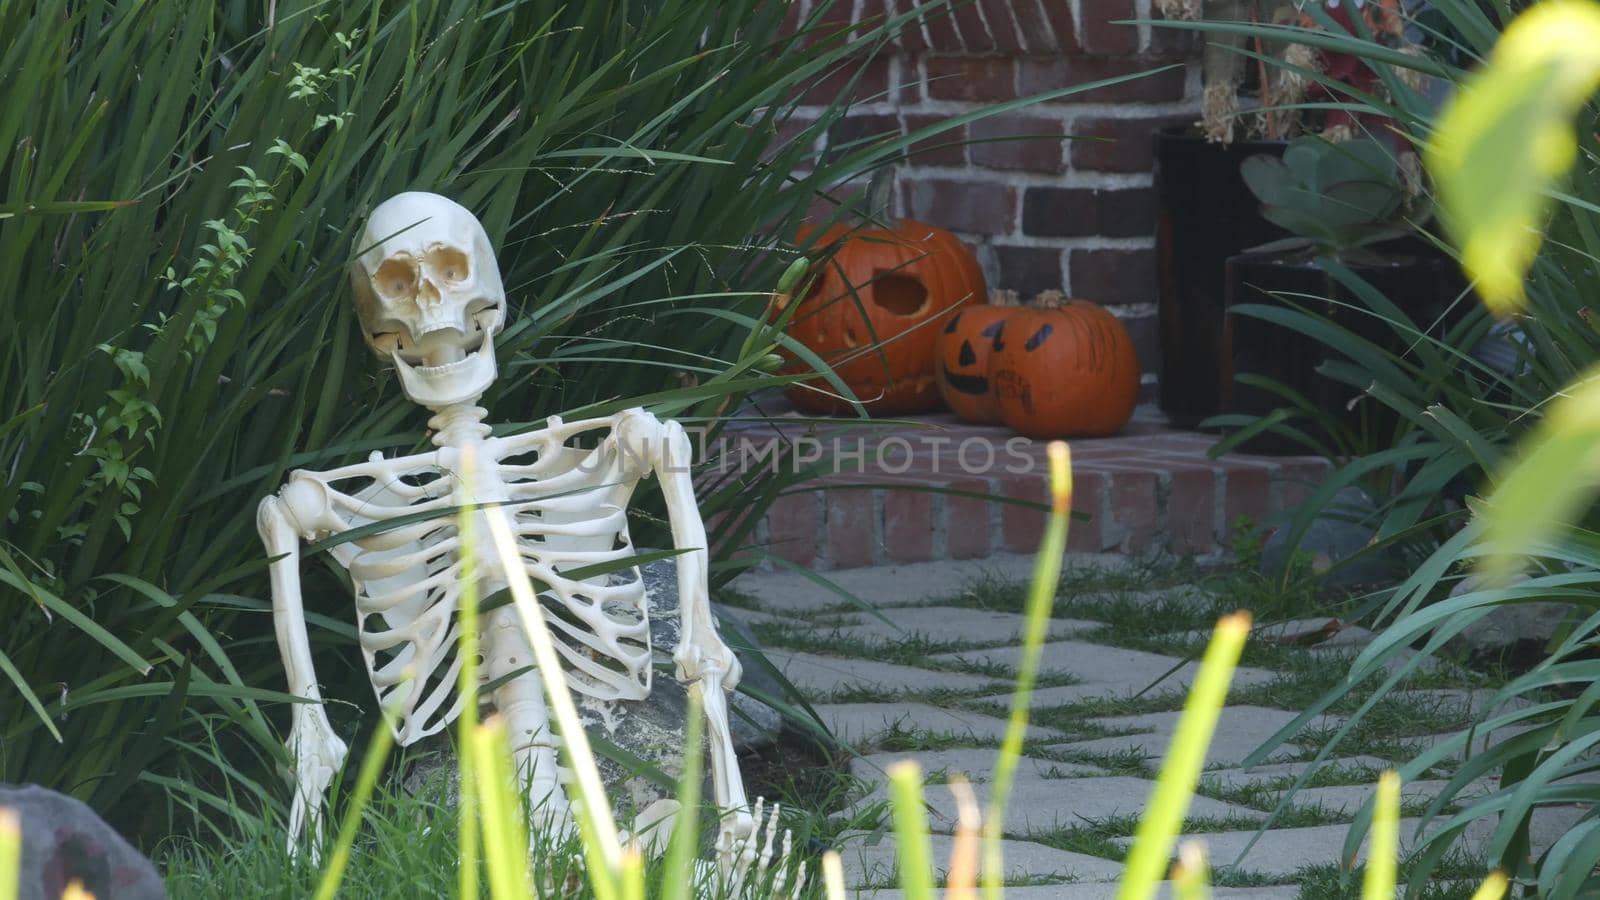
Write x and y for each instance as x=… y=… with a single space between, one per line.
x=967 y=357
x=996 y=335
x=950 y=327
x=1039 y=337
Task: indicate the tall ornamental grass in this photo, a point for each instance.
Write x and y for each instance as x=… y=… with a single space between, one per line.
x=1487 y=486
x=180 y=186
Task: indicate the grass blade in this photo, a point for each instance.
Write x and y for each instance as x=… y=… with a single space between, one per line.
x=913 y=851
x=832 y=876
x=677 y=874
x=11 y=853
x=366 y=780
x=467 y=686
x=1180 y=773
x=1041 y=597
x=601 y=842
x=1493 y=888
x=1382 y=853
x=1191 y=877
x=505 y=840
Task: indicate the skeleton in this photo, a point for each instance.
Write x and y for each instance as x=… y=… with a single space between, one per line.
x=429 y=298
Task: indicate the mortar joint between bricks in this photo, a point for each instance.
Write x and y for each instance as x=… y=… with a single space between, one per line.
x=997 y=523
x=1162 y=536
x=879 y=529
x=823 y=554
x=939 y=536
x=1219 y=508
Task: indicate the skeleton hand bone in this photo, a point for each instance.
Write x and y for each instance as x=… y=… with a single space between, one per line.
x=317 y=754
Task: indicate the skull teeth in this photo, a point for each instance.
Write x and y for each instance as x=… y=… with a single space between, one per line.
x=444 y=368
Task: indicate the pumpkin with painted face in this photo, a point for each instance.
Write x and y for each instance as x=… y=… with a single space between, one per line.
x=873 y=311
x=1067 y=368
x=966 y=345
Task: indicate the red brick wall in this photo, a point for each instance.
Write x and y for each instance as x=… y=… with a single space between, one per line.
x=1047 y=213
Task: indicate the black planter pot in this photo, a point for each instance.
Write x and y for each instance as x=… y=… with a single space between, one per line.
x=1204 y=214
x=1422 y=284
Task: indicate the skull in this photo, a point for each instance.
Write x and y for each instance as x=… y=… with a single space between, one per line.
x=428 y=293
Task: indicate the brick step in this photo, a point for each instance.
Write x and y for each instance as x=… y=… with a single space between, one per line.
x=931 y=489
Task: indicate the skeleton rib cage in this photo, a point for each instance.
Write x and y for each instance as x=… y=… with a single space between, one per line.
x=567 y=507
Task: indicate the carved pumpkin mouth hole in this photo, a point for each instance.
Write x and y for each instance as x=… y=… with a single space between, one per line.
x=901 y=295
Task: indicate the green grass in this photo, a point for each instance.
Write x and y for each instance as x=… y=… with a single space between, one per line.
x=406 y=846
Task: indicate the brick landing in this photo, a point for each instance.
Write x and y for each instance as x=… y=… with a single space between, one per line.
x=1151 y=488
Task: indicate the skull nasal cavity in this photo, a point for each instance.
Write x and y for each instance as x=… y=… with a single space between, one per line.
x=899 y=294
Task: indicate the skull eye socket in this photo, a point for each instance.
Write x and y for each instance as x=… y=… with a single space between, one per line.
x=449 y=263
x=396 y=278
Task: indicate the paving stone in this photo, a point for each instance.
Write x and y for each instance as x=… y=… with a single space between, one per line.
x=869 y=859
x=1068 y=694
x=1471 y=705
x=757 y=617
x=1349 y=799
x=1044 y=806
x=1345 y=654
x=1106 y=891
x=1548 y=825
x=898 y=585
x=818 y=675
x=1480 y=742
x=1309 y=632
x=976 y=763
x=948 y=624
x=1183 y=596
x=1229 y=779
x=1106 y=671
x=1282 y=852
x=861 y=723
x=1240 y=730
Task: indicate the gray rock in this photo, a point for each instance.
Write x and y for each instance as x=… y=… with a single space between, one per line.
x=1522 y=627
x=64 y=841
x=636 y=742
x=1340 y=531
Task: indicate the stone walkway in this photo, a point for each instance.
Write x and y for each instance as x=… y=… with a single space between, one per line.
x=929 y=680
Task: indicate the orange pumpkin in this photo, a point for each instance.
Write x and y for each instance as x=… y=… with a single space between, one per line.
x=966 y=345
x=868 y=312
x=1066 y=370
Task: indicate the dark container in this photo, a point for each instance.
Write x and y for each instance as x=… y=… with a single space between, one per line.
x=1204 y=214
x=1422 y=284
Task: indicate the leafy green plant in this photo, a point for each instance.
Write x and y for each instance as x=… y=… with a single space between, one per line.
x=182 y=184
x=1337 y=199
x=1468 y=396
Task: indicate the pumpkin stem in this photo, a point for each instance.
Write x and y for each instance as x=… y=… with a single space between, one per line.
x=999 y=297
x=1049 y=300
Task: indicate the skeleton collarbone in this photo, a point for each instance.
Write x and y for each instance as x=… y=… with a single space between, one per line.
x=567 y=507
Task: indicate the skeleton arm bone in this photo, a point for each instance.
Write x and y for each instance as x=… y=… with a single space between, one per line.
x=703 y=661
x=316 y=752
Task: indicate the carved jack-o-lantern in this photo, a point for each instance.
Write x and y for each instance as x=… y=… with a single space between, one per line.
x=873 y=312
